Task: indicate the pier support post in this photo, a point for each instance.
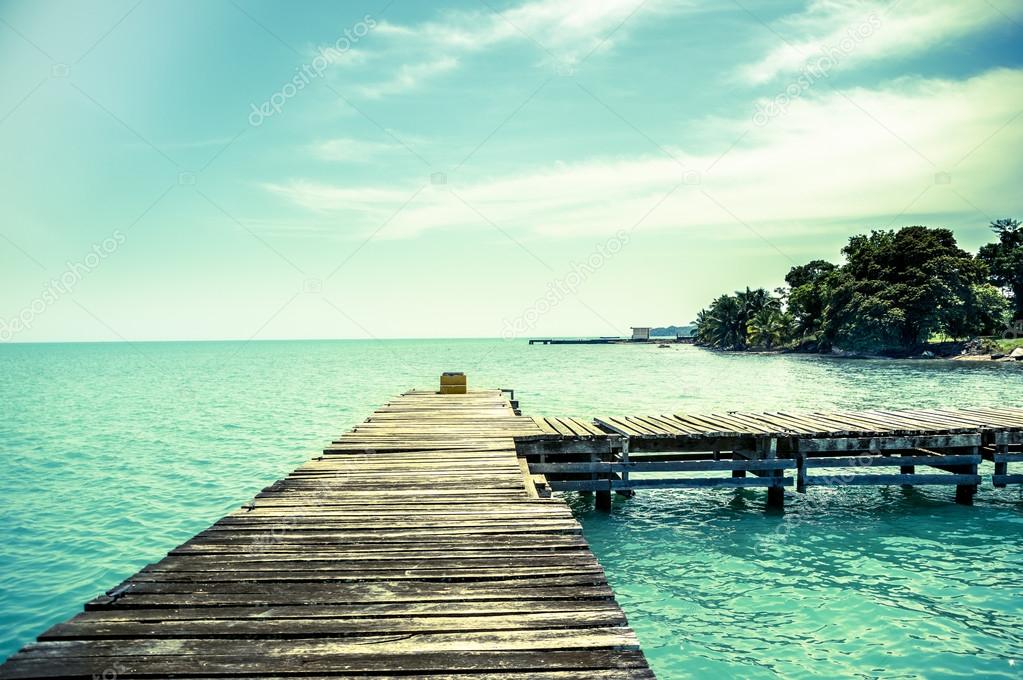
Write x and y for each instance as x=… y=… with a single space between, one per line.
x=624 y=459
x=907 y=470
x=738 y=474
x=775 y=494
x=603 y=498
x=1001 y=467
x=966 y=492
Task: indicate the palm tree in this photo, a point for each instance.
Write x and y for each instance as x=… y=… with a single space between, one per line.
x=727 y=323
x=757 y=299
x=730 y=319
x=703 y=323
x=769 y=328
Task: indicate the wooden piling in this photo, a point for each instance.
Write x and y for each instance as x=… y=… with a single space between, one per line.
x=907 y=470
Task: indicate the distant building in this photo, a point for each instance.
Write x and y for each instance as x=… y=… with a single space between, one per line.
x=640 y=333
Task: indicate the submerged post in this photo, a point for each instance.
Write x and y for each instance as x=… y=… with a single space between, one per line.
x=966 y=492
x=907 y=470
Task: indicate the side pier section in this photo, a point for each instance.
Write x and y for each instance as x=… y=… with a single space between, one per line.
x=778 y=450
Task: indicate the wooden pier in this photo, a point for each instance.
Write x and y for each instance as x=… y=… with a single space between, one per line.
x=424 y=543
x=777 y=450
x=654 y=340
x=415 y=546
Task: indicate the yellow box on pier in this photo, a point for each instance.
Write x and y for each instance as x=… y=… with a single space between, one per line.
x=452 y=382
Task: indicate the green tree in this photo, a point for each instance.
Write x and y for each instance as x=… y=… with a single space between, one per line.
x=1004 y=260
x=752 y=301
x=899 y=287
x=857 y=320
x=809 y=291
x=985 y=311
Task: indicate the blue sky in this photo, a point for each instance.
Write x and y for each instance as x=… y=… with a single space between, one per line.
x=252 y=169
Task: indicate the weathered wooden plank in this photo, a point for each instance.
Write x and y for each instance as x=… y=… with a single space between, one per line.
x=352 y=596
x=86 y=628
x=606 y=637
x=379 y=610
x=247 y=664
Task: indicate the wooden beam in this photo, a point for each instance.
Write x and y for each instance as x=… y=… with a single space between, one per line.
x=890 y=480
x=887 y=443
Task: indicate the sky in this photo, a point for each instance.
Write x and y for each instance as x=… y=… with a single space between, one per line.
x=245 y=169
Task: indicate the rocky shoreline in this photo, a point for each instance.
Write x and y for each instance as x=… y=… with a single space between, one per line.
x=1012 y=357
x=972 y=350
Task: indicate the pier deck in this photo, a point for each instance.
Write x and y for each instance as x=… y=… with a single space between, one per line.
x=414 y=546
x=607 y=453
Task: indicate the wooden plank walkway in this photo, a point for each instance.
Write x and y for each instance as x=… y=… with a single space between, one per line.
x=412 y=547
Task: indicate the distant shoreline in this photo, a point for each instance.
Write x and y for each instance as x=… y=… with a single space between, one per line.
x=957 y=352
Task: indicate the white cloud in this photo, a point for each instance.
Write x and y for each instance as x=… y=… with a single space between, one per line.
x=826 y=160
x=408 y=77
x=903 y=28
x=346 y=149
x=566 y=31
x=568 y=28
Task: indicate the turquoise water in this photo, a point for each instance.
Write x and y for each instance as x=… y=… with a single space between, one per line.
x=114 y=453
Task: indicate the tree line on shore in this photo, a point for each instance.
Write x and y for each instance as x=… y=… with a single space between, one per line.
x=896 y=290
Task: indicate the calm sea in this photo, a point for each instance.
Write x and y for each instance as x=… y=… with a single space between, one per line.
x=114 y=453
